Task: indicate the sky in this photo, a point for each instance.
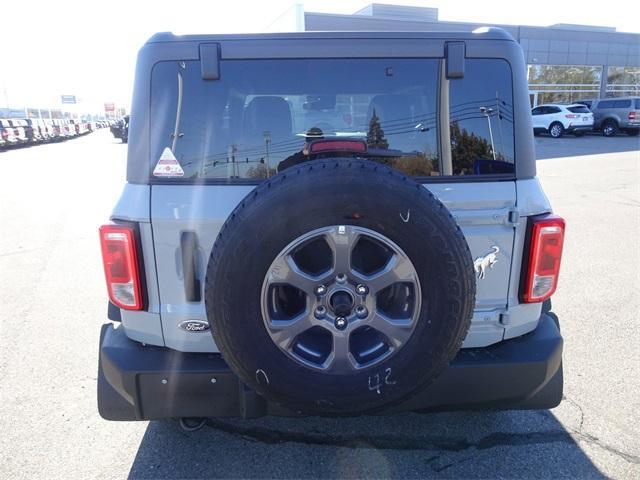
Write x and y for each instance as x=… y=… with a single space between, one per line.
x=88 y=49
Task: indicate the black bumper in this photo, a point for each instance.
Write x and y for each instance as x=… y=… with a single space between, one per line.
x=137 y=382
x=580 y=128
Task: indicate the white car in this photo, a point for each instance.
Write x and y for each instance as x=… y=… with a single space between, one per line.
x=559 y=119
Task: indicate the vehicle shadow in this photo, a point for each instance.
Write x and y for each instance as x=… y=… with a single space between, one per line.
x=450 y=445
x=590 y=144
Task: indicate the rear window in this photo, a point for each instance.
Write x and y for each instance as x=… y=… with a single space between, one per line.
x=637 y=104
x=263 y=116
x=579 y=109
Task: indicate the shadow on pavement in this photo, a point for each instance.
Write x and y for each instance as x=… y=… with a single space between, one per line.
x=591 y=144
x=455 y=445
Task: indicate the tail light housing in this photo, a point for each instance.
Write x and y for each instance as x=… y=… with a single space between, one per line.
x=632 y=115
x=572 y=115
x=542 y=266
x=121 y=269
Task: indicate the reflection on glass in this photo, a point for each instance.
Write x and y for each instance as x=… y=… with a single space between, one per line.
x=261 y=116
x=256 y=120
x=481 y=119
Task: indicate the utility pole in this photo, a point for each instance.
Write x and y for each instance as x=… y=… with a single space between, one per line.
x=232 y=169
x=499 y=120
x=267 y=141
x=487 y=113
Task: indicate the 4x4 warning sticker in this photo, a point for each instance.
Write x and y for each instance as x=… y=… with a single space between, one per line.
x=168 y=166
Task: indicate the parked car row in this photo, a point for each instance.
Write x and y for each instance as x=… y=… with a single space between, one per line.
x=16 y=132
x=120 y=129
x=607 y=115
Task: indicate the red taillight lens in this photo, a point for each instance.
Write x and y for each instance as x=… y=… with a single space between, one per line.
x=632 y=115
x=121 y=266
x=545 y=253
x=572 y=115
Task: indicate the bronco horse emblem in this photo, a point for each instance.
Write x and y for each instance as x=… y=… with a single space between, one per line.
x=481 y=264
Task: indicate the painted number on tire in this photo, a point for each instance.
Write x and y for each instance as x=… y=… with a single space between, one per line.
x=378 y=381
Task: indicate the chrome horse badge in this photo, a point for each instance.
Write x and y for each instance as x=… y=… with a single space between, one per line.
x=481 y=264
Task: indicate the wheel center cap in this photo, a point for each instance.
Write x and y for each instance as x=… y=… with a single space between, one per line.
x=341 y=303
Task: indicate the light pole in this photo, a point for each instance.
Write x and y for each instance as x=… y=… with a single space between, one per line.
x=486 y=111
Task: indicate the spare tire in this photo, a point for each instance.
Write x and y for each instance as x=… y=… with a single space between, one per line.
x=339 y=287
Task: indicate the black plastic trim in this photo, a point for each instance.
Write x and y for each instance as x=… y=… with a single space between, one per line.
x=113 y=312
x=210 y=61
x=455 y=59
x=189 y=250
x=139 y=382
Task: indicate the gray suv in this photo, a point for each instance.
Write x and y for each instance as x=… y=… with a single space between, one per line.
x=613 y=115
x=332 y=224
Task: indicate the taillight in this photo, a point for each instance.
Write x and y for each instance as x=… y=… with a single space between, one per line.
x=546 y=236
x=119 y=256
x=4 y=133
x=632 y=115
x=572 y=115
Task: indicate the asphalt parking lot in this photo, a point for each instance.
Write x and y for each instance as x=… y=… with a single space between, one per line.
x=53 y=301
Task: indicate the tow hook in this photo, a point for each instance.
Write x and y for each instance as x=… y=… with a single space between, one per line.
x=192 y=424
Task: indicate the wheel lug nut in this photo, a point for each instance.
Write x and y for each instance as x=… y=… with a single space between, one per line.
x=321 y=290
x=362 y=289
x=341 y=278
x=361 y=311
x=320 y=312
x=341 y=323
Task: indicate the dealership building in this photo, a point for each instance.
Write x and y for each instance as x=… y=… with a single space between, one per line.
x=565 y=62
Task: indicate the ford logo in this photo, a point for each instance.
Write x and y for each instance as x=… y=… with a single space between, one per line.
x=194 y=325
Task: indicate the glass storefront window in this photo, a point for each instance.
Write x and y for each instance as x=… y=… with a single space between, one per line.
x=564 y=83
x=623 y=81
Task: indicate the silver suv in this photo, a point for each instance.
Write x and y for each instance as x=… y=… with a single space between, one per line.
x=613 y=115
x=395 y=253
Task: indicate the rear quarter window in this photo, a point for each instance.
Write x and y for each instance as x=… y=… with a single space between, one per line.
x=614 y=104
x=622 y=104
x=481 y=116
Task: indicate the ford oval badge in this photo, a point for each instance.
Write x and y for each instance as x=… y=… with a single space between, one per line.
x=194 y=326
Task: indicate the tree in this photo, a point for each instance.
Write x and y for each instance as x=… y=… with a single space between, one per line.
x=375 y=135
x=259 y=172
x=416 y=165
x=466 y=148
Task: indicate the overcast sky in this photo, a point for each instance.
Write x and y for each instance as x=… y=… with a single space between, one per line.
x=88 y=48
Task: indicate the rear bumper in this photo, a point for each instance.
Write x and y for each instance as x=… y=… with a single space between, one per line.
x=580 y=128
x=137 y=382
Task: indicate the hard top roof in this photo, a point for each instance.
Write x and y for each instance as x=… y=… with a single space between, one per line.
x=483 y=33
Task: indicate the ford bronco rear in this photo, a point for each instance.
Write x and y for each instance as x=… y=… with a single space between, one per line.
x=330 y=223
